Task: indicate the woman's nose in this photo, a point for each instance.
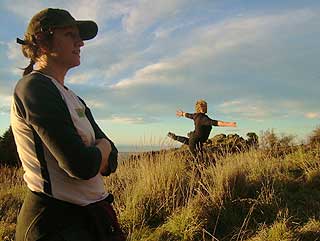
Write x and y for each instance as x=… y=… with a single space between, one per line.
x=79 y=42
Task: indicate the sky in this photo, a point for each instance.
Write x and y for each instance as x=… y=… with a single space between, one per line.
x=254 y=62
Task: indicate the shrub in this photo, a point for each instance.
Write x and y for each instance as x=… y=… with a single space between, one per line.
x=8 y=150
x=276 y=145
x=314 y=138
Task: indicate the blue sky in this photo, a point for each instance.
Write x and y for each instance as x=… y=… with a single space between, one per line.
x=254 y=62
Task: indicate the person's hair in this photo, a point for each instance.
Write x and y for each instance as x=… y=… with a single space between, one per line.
x=32 y=46
x=201 y=106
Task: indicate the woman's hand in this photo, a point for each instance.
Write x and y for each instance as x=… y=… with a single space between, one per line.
x=179 y=113
x=105 y=148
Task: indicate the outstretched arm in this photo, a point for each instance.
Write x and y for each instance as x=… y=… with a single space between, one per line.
x=180 y=113
x=227 y=124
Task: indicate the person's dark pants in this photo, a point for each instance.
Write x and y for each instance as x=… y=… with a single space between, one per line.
x=40 y=218
x=195 y=145
x=46 y=219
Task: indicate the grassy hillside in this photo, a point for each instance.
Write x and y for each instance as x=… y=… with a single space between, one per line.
x=253 y=196
x=12 y=191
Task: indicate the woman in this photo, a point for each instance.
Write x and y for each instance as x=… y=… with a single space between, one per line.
x=203 y=125
x=63 y=152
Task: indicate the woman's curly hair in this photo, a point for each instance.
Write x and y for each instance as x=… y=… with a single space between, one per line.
x=31 y=47
x=201 y=106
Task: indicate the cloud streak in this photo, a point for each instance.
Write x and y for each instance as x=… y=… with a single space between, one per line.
x=312 y=115
x=212 y=41
x=147 y=13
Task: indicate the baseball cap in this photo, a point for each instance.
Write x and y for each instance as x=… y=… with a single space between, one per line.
x=50 y=18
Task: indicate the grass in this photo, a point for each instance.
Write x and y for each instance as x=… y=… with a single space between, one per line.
x=12 y=191
x=249 y=196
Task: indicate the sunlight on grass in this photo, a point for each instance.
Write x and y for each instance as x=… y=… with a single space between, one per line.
x=166 y=195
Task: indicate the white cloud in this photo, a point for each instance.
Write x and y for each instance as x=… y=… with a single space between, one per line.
x=292 y=104
x=18 y=71
x=14 y=54
x=127 y=120
x=133 y=119
x=312 y=115
x=146 y=13
x=5 y=104
x=259 y=109
x=127 y=62
x=103 y=40
x=235 y=32
x=164 y=32
x=245 y=108
x=230 y=103
x=14 y=51
x=6 y=100
x=97 y=10
x=151 y=74
x=24 y=8
x=95 y=104
x=205 y=45
x=80 y=78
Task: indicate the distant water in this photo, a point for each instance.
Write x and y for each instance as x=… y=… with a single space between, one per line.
x=126 y=150
x=132 y=148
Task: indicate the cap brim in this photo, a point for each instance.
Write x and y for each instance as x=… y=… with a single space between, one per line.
x=87 y=29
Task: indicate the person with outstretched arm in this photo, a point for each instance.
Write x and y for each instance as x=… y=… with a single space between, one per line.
x=63 y=151
x=203 y=125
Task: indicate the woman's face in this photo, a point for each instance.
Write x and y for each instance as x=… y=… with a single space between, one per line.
x=201 y=108
x=204 y=108
x=65 y=48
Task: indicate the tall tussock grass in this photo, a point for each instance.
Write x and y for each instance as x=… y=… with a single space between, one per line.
x=240 y=196
x=251 y=195
x=12 y=191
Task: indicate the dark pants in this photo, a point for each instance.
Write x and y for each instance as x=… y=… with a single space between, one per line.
x=43 y=218
x=47 y=219
x=195 y=145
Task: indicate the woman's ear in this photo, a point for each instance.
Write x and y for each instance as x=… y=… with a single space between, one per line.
x=43 y=41
x=42 y=50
